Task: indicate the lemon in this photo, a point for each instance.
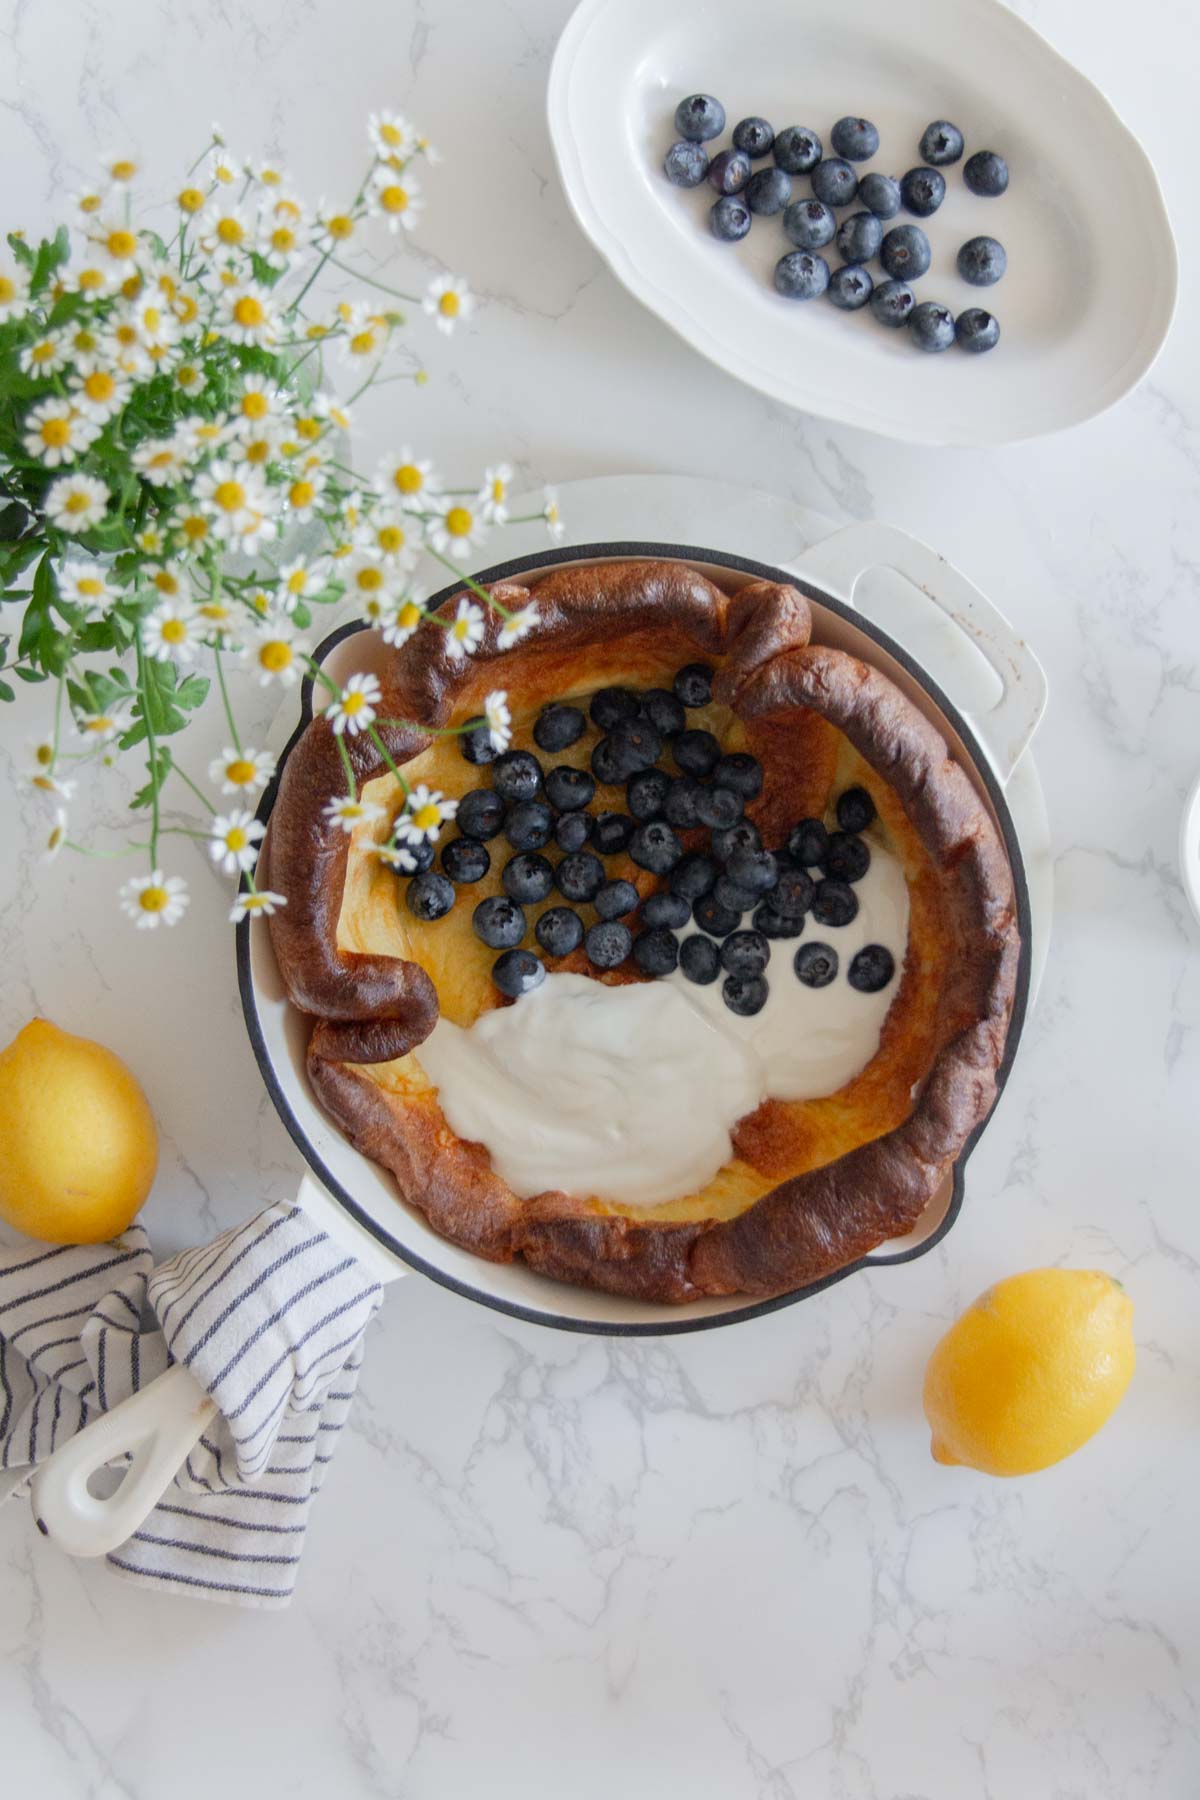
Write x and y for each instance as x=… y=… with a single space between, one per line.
x=1031 y=1371
x=78 y=1148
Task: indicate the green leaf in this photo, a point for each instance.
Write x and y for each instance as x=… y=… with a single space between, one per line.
x=193 y=692
x=158 y=767
x=30 y=675
x=20 y=250
x=51 y=254
x=301 y=615
x=6 y=693
x=37 y=627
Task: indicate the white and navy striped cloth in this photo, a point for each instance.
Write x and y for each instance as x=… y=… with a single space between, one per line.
x=269 y=1319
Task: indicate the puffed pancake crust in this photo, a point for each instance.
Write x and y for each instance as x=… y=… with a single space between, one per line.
x=814 y=1184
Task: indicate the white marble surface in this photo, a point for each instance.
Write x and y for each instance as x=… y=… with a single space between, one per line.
x=546 y=1564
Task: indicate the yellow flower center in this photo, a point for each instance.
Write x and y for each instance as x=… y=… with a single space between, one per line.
x=369 y=579
x=189 y=200
x=90 y=587
x=302 y=493
x=120 y=244
x=283 y=240
x=99 y=385
x=248 y=310
x=241 y=770
x=392 y=136
x=427 y=816
x=194 y=527
x=308 y=429
x=174 y=631
x=235 y=838
x=224 y=173
x=258 y=450
x=153 y=899
x=230 y=231
x=458 y=521
x=162 y=459
x=287 y=209
x=152 y=320
x=270 y=177
x=340 y=226
x=409 y=616
x=353 y=703
x=408 y=478
x=126 y=336
x=393 y=198
x=77 y=501
x=56 y=433
x=8 y=289
x=165 y=582
x=83 y=343
x=91 y=281
x=43 y=352
x=255 y=405
x=187 y=375
x=44 y=755
x=449 y=304
x=297 y=581
x=390 y=539
x=316 y=331
x=499 y=489
x=124 y=169
x=362 y=343
x=230 y=496
x=131 y=287
x=275 y=655
x=185 y=309
x=91 y=203
x=100 y=724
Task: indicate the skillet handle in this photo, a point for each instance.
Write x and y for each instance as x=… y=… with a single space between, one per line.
x=838 y=564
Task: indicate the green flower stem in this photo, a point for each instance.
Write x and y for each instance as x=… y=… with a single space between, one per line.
x=202 y=797
x=363 y=386
x=413 y=299
x=87 y=850
x=144 y=693
x=373 y=734
x=295 y=306
x=230 y=720
x=347 y=765
x=467 y=581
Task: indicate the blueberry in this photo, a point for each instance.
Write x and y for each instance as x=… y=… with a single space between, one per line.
x=807 y=843
x=729 y=219
x=693 y=684
x=855 y=809
x=757 y=870
x=745 y=994
x=476 y=742
x=683 y=797
x=986 y=173
x=654 y=846
x=754 y=136
x=768 y=191
x=700 y=959
x=607 y=764
x=977 y=330
x=646 y=793
x=719 y=807
x=528 y=878
x=932 y=326
x=835 y=903
x=559 y=931
x=465 y=860
x=745 y=953
x=656 y=952
x=696 y=752
x=810 y=224
x=801 y=276
x=892 y=302
x=880 y=194
x=729 y=172
x=694 y=875
x=797 y=149
x=776 y=925
x=499 y=922
x=922 y=191
x=982 y=261
x=572 y=830
x=859 y=236
x=429 y=896
x=850 y=287
x=517 y=776
x=558 y=727
x=685 y=165
x=741 y=772
x=714 y=918
x=848 y=858
x=699 y=118
x=855 y=138
x=834 y=182
x=904 y=252
x=941 y=143
x=529 y=825
x=612 y=704
x=420 y=857
x=664 y=711
x=792 y=894
x=611 y=832
x=615 y=899
x=733 y=897
x=608 y=943
x=670 y=910
x=631 y=745
x=872 y=969
x=816 y=965
x=480 y=813
x=568 y=788
x=580 y=877
x=745 y=835
x=518 y=972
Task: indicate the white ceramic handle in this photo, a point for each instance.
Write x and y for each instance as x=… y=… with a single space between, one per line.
x=158 y=1426
x=838 y=564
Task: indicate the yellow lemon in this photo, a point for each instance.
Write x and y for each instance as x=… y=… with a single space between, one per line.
x=78 y=1148
x=1031 y=1371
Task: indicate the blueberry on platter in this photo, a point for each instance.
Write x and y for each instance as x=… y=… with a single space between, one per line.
x=518 y=972
x=768 y=191
x=694 y=875
x=801 y=276
x=480 y=813
x=807 y=843
x=977 y=330
x=429 y=896
x=572 y=830
x=856 y=139
x=568 y=788
x=941 y=143
x=476 y=742
x=696 y=752
x=982 y=261
x=774 y=924
x=611 y=832
x=670 y=910
x=754 y=136
x=741 y=772
x=880 y=194
x=729 y=171
x=719 y=807
x=834 y=903
x=466 y=860
x=986 y=173
x=922 y=191
x=932 y=326
x=529 y=825
x=797 y=149
x=685 y=165
x=646 y=793
x=850 y=287
x=667 y=714
x=871 y=969
x=732 y=896
x=809 y=224
x=559 y=930
x=757 y=870
x=700 y=959
x=847 y=858
x=528 y=878
x=745 y=994
x=608 y=944
x=610 y=705
x=499 y=922
x=745 y=953
x=834 y=181
x=816 y=965
x=680 y=806
x=792 y=894
x=654 y=846
x=558 y=726
x=855 y=809
x=615 y=899
x=693 y=684
x=904 y=252
x=579 y=877
x=714 y=918
x=656 y=952
x=745 y=835
x=859 y=237
x=892 y=303
x=699 y=118
x=516 y=776
x=729 y=219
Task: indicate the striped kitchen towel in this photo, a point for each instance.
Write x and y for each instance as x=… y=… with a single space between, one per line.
x=269 y=1319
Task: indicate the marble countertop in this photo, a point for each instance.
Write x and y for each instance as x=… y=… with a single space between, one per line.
x=548 y=1564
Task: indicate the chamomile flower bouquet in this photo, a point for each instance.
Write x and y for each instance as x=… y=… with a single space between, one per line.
x=175 y=493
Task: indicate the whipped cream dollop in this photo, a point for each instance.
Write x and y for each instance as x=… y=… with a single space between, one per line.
x=630 y=1094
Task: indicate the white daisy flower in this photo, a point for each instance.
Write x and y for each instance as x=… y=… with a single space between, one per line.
x=426 y=812
x=82 y=582
x=409 y=476
x=348 y=813
x=449 y=302
x=302 y=580
x=429 y=151
x=56 y=837
x=388 y=536
x=172 y=631
x=354 y=709
x=47 y=782
x=397 y=857
x=365 y=333
x=367 y=578
x=119 y=167
x=233 y=841
x=190 y=200
x=102 y=727
x=464 y=634
x=251 y=315
x=88 y=201
x=257 y=402
x=457 y=529
x=303 y=494
x=76 y=502
x=81 y=339
x=516 y=626
x=329 y=407
x=223 y=166
x=116 y=244
x=391 y=134
x=277 y=654
x=333 y=226
x=256 y=448
x=498 y=719
x=160 y=461
x=238 y=502
x=122 y=348
x=168 y=580
x=260 y=901
x=156 y=324
x=493 y=493
x=268 y=174
x=57 y=433
x=195 y=434
x=155 y=899
x=192 y=527
x=552 y=516
x=151 y=540
x=14 y=290
x=100 y=392
x=395 y=195
x=245 y=771
x=407 y=615
x=92 y=278
x=46 y=355
x=219 y=622
x=280 y=240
